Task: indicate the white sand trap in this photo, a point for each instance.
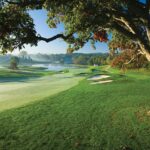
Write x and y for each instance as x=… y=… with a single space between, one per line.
x=99 y=77
x=101 y=82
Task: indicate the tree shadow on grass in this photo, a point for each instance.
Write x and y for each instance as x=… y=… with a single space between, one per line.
x=18 y=76
x=17 y=79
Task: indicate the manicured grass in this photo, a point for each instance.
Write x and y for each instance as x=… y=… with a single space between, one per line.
x=23 y=87
x=22 y=74
x=111 y=116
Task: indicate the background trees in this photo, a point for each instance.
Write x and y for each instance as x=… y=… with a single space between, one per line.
x=14 y=63
x=98 y=60
x=23 y=54
x=129 y=60
x=75 y=58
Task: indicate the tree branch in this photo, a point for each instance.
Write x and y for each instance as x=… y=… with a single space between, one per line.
x=126 y=23
x=40 y=38
x=148 y=12
x=132 y=59
x=132 y=31
x=148 y=33
x=26 y=3
x=121 y=29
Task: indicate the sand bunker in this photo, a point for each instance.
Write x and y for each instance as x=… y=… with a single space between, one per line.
x=101 y=82
x=99 y=77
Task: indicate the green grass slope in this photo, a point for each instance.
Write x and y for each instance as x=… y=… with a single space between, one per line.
x=111 y=116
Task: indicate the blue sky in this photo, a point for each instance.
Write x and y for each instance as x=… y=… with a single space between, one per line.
x=57 y=46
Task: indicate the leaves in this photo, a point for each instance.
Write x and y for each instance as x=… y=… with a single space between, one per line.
x=85 y=19
x=16 y=29
x=129 y=59
x=101 y=36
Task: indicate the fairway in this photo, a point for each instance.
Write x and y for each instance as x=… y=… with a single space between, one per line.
x=17 y=93
x=111 y=116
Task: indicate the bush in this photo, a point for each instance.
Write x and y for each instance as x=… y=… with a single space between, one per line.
x=125 y=57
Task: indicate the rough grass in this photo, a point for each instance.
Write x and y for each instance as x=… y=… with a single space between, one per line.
x=109 y=116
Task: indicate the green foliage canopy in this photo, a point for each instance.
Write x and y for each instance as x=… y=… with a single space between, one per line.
x=81 y=19
x=16 y=28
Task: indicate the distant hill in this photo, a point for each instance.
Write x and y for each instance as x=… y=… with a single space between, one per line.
x=63 y=58
x=52 y=58
x=5 y=59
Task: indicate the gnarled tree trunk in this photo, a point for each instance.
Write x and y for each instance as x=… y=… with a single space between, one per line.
x=144 y=51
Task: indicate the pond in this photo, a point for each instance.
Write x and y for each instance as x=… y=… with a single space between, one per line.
x=54 y=67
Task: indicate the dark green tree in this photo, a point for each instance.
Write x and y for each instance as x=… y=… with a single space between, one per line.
x=82 y=60
x=14 y=61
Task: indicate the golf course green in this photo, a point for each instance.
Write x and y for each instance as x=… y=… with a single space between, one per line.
x=67 y=112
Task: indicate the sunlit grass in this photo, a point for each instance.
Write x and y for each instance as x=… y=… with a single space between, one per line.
x=109 y=116
x=20 y=90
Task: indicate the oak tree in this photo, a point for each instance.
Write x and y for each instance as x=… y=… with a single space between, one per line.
x=84 y=21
